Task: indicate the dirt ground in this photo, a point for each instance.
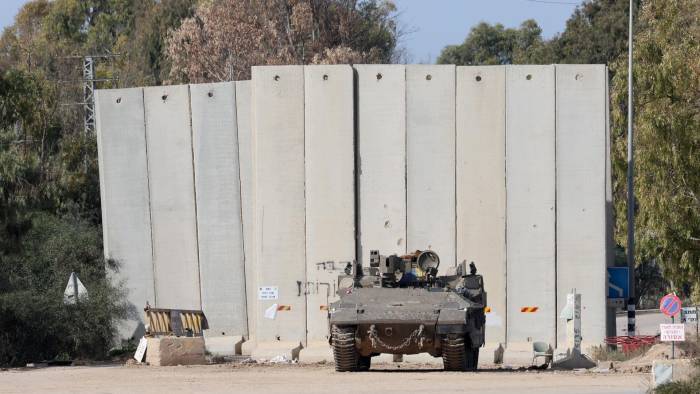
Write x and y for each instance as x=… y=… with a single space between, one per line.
x=309 y=379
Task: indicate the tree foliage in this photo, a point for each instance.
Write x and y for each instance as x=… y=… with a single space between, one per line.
x=226 y=37
x=667 y=140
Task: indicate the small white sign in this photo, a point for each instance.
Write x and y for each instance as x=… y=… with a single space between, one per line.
x=268 y=293
x=672 y=332
x=689 y=314
x=141 y=349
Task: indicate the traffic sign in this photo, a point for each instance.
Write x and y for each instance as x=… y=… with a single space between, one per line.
x=670 y=305
x=618 y=282
x=689 y=314
x=672 y=332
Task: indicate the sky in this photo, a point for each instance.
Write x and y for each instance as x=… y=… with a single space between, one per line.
x=433 y=24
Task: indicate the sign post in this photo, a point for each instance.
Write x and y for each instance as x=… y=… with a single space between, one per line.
x=670 y=305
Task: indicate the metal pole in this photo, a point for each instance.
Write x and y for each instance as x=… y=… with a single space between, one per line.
x=631 y=329
x=673 y=343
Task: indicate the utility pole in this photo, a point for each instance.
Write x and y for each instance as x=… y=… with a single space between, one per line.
x=631 y=303
x=89 y=94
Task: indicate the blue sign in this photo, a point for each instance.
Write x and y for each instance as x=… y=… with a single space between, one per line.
x=618 y=282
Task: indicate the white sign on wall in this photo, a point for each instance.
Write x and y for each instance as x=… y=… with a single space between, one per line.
x=268 y=293
x=672 y=332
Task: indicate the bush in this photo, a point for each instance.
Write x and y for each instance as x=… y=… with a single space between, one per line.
x=35 y=325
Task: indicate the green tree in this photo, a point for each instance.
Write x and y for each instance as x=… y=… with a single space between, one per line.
x=495 y=44
x=667 y=140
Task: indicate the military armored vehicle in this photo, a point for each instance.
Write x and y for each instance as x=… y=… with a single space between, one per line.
x=399 y=305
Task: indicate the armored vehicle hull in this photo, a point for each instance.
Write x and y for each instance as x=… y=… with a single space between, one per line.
x=441 y=316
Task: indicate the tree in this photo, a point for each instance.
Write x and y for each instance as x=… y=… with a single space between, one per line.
x=226 y=37
x=667 y=141
x=494 y=44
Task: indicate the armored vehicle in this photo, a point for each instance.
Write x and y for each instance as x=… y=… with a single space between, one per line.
x=399 y=305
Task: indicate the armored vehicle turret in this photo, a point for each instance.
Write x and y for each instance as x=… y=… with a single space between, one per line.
x=400 y=305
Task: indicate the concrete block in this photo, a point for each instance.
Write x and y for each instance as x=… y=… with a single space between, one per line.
x=126 y=219
x=278 y=124
x=481 y=184
x=245 y=158
x=530 y=202
x=381 y=115
x=171 y=180
x=218 y=195
x=330 y=191
x=430 y=160
x=220 y=344
x=581 y=194
x=169 y=351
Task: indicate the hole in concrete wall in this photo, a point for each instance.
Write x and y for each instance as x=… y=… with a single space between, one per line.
x=528 y=77
x=578 y=77
x=399 y=242
x=277 y=78
x=428 y=77
x=478 y=78
x=119 y=100
x=164 y=97
x=210 y=94
x=379 y=76
x=325 y=77
x=387 y=224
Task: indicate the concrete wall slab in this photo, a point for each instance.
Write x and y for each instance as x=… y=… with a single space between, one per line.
x=430 y=160
x=121 y=143
x=218 y=196
x=530 y=203
x=581 y=194
x=330 y=189
x=381 y=117
x=278 y=123
x=173 y=211
x=481 y=184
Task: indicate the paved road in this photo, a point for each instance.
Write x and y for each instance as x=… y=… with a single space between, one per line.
x=308 y=379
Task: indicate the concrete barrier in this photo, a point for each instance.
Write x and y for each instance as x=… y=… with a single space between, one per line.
x=126 y=217
x=381 y=114
x=278 y=124
x=173 y=216
x=581 y=177
x=330 y=195
x=430 y=160
x=481 y=184
x=218 y=196
x=530 y=202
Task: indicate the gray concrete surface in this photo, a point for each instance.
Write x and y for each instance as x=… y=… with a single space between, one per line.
x=481 y=184
x=247 y=177
x=381 y=116
x=278 y=124
x=171 y=183
x=530 y=217
x=218 y=195
x=330 y=194
x=581 y=245
x=430 y=160
x=126 y=219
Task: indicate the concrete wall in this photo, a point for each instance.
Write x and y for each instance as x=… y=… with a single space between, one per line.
x=330 y=189
x=530 y=213
x=280 y=206
x=218 y=196
x=580 y=166
x=173 y=212
x=381 y=122
x=126 y=219
x=479 y=163
x=430 y=160
x=481 y=184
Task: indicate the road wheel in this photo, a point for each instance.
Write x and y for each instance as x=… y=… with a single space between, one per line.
x=344 y=352
x=454 y=357
x=363 y=363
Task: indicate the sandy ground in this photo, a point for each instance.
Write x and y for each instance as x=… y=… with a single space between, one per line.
x=308 y=379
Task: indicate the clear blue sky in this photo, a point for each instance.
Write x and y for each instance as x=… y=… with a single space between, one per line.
x=436 y=23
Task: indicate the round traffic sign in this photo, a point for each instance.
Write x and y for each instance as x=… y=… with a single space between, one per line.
x=670 y=305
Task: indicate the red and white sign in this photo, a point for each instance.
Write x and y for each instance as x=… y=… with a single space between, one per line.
x=670 y=305
x=672 y=332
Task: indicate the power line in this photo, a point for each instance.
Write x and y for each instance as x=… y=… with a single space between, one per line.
x=554 y=2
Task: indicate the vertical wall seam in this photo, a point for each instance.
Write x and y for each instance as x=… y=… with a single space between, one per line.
x=556 y=211
x=150 y=206
x=405 y=160
x=194 y=195
x=505 y=196
x=358 y=165
x=303 y=131
x=454 y=161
